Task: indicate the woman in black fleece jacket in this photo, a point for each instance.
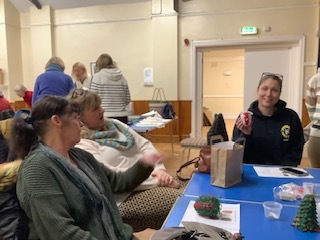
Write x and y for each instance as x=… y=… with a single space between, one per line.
x=275 y=136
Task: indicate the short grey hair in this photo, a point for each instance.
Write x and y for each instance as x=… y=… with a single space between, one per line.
x=20 y=87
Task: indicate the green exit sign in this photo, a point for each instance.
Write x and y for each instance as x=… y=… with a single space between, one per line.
x=247 y=30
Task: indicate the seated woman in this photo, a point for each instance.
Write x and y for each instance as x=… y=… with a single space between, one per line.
x=64 y=191
x=276 y=135
x=118 y=147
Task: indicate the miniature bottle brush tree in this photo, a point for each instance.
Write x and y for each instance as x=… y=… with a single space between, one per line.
x=306 y=217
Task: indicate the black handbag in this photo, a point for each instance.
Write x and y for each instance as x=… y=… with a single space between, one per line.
x=193 y=231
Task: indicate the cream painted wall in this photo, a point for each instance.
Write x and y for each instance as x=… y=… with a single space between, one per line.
x=150 y=35
x=10 y=50
x=124 y=34
x=223 y=81
x=3 y=43
x=209 y=20
x=131 y=33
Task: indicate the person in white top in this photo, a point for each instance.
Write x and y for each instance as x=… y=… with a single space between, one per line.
x=114 y=143
x=312 y=102
x=80 y=76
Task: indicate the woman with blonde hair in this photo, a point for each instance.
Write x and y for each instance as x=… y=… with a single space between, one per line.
x=53 y=81
x=119 y=148
x=80 y=76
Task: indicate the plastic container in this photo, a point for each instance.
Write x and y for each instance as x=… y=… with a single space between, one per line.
x=272 y=209
x=307 y=188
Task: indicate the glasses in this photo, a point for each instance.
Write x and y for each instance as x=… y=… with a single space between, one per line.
x=274 y=75
x=79 y=92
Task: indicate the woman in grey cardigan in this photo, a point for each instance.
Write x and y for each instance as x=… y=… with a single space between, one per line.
x=64 y=191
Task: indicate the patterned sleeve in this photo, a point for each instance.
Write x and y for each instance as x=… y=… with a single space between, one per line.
x=312 y=100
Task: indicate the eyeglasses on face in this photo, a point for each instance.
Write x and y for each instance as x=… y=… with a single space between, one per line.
x=268 y=74
x=79 y=92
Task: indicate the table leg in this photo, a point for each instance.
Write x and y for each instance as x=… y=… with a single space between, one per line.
x=171 y=138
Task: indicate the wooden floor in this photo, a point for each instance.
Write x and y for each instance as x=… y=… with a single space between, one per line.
x=173 y=161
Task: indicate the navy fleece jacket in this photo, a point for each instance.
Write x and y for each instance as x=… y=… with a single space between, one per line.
x=274 y=140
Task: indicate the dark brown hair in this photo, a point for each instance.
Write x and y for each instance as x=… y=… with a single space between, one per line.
x=27 y=132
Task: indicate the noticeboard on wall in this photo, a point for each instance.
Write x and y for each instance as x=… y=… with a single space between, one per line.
x=93 y=68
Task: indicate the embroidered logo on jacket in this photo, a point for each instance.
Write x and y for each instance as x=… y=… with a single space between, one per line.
x=285 y=131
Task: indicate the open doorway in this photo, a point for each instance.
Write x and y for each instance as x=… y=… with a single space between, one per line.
x=223 y=81
x=280 y=55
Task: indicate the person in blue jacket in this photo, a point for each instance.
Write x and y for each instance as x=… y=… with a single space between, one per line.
x=53 y=81
x=275 y=136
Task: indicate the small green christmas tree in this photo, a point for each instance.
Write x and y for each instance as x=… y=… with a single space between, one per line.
x=208 y=206
x=306 y=218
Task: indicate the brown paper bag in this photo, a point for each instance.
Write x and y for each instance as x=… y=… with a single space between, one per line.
x=226 y=163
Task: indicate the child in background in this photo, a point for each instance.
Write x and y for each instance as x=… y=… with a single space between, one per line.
x=23 y=92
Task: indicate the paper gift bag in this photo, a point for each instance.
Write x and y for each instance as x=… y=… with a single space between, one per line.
x=226 y=163
x=158 y=101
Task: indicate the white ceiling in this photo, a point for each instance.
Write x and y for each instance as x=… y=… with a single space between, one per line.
x=23 y=5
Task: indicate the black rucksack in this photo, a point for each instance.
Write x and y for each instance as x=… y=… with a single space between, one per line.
x=168 y=112
x=218 y=127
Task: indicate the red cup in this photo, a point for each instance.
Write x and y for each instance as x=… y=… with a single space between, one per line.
x=246 y=118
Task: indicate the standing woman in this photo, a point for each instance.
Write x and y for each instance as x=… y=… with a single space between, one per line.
x=112 y=88
x=65 y=193
x=53 y=81
x=80 y=76
x=275 y=136
x=313 y=106
x=23 y=92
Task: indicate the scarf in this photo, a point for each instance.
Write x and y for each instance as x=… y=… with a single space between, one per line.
x=110 y=136
x=86 y=180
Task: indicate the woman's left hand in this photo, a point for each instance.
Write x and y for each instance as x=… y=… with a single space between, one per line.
x=164 y=179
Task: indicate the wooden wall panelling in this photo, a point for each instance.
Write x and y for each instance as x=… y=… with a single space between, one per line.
x=163 y=134
x=20 y=104
x=305 y=116
x=182 y=125
x=140 y=107
x=185 y=119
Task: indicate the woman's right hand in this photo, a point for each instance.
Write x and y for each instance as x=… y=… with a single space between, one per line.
x=245 y=129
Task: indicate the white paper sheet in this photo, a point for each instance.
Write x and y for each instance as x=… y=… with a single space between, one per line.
x=276 y=172
x=230 y=214
x=153 y=122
